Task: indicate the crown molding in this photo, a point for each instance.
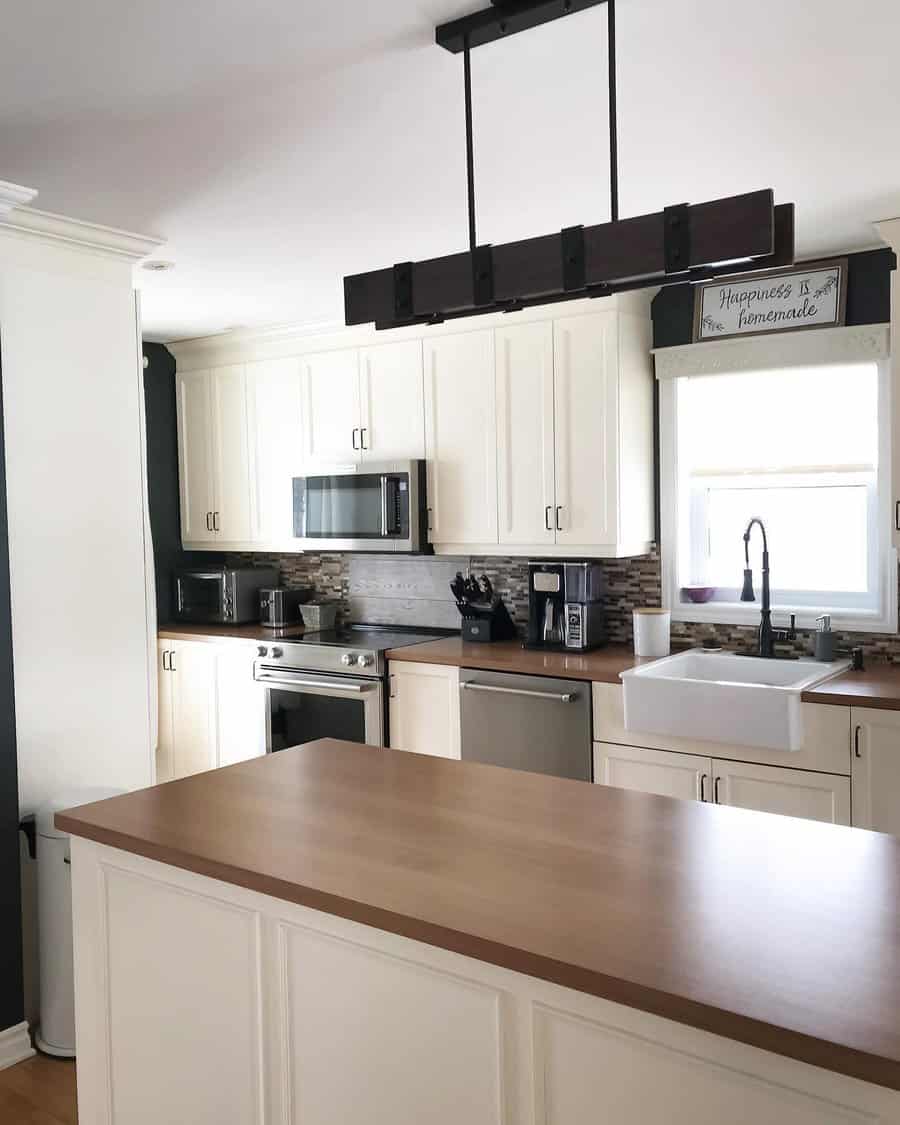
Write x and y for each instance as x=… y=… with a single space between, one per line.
x=810 y=348
x=889 y=229
x=14 y=195
x=75 y=232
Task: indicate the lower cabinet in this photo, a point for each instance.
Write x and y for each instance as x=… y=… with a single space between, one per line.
x=790 y=792
x=211 y=711
x=424 y=709
x=876 y=769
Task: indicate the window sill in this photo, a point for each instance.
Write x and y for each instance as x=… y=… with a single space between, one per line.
x=736 y=613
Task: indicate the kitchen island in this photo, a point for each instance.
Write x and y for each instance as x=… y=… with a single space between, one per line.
x=340 y=934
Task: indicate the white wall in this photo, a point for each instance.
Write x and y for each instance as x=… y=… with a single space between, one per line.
x=74 y=468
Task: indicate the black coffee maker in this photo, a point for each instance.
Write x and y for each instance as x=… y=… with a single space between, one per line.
x=546 y=605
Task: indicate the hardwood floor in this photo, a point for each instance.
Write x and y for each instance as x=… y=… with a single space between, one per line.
x=39 y=1091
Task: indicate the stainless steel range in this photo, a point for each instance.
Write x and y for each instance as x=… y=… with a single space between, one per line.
x=330 y=685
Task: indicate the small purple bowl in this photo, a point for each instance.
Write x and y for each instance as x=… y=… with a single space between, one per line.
x=698 y=594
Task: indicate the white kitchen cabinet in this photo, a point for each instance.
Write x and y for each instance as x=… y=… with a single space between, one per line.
x=585 y=399
x=526 y=489
x=790 y=792
x=239 y=704
x=461 y=439
x=391 y=402
x=214 y=457
x=187 y=719
x=195 y=456
x=424 y=709
x=876 y=769
x=274 y=410
x=686 y=776
x=331 y=408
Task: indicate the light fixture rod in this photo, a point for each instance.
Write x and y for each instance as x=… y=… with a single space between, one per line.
x=613 y=123
x=470 y=143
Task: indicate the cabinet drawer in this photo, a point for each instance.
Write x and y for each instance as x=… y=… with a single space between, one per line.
x=826 y=745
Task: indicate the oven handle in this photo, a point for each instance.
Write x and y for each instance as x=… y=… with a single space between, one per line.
x=275 y=678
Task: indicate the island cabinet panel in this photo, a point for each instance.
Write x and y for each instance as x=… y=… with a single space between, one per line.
x=424 y=709
x=380 y=1038
x=826 y=745
x=876 y=769
x=208 y=1003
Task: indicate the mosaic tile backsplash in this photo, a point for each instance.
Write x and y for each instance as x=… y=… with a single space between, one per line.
x=403 y=590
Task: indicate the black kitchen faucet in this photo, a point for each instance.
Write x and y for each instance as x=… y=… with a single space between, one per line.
x=767 y=635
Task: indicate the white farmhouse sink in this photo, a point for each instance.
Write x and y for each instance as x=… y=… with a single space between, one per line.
x=721 y=697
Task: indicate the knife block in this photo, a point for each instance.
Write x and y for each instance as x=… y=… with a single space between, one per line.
x=482 y=624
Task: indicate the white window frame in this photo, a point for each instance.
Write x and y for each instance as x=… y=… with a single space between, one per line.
x=814 y=348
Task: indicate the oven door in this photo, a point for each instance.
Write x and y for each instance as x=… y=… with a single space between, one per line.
x=367 y=508
x=202 y=596
x=304 y=706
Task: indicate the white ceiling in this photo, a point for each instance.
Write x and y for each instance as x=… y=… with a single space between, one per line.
x=278 y=146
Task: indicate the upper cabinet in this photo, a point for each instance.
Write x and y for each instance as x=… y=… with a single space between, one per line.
x=214 y=457
x=274 y=411
x=537 y=430
x=363 y=405
x=575 y=435
x=461 y=439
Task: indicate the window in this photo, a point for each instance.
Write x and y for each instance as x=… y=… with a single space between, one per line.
x=803 y=449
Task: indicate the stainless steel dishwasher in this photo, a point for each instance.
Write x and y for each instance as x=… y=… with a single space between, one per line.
x=526 y=723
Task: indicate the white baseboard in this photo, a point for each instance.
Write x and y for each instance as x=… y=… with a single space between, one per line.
x=15 y=1045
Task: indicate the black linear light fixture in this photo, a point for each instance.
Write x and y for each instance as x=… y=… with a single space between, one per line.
x=682 y=243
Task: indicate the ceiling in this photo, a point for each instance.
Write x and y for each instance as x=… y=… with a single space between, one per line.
x=279 y=146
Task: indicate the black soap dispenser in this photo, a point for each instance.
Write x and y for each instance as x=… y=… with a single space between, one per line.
x=824 y=638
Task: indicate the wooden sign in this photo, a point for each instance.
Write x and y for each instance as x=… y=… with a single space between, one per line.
x=815 y=297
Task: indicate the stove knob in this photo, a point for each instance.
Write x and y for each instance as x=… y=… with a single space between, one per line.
x=365 y=660
x=276 y=652
x=348 y=660
x=262 y=651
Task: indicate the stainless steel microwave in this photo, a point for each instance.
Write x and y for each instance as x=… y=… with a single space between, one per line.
x=221 y=597
x=366 y=507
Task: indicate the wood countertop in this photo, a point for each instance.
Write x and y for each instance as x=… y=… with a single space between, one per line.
x=877 y=685
x=602 y=665
x=774 y=931
x=215 y=633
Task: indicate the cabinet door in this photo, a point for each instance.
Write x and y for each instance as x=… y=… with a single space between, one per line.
x=231 y=514
x=876 y=769
x=193 y=707
x=165 y=763
x=586 y=406
x=331 y=408
x=813 y=796
x=240 y=706
x=461 y=438
x=424 y=709
x=392 y=404
x=195 y=456
x=526 y=495
x=685 y=776
x=276 y=437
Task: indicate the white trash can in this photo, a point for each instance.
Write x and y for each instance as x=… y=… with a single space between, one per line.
x=56 y=1034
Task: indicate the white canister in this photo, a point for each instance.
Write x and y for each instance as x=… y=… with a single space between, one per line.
x=651 y=632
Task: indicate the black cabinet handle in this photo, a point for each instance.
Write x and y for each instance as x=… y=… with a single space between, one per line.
x=215 y=526
x=703 y=777
x=856 y=749
x=716 y=790
x=355 y=432
x=547 y=512
x=558 y=524
x=897 y=516
x=172 y=662
x=362 y=438
x=165 y=663
x=209 y=521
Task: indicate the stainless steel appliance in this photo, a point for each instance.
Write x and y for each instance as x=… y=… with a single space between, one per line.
x=365 y=507
x=221 y=597
x=279 y=608
x=329 y=684
x=526 y=723
x=546 y=602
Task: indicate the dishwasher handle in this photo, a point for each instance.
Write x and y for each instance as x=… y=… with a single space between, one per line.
x=560 y=697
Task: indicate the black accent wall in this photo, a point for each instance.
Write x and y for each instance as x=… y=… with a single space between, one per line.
x=162 y=477
x=868 y=298
x=12 y=1005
